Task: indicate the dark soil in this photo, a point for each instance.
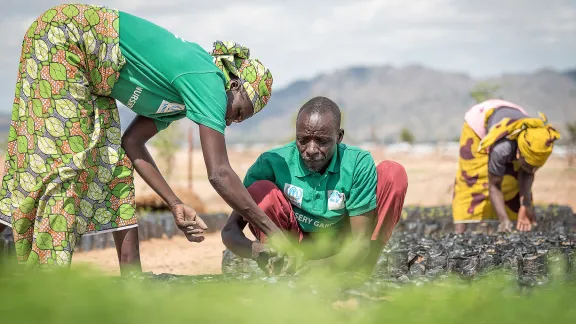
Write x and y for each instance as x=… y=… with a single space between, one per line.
x=423 y=247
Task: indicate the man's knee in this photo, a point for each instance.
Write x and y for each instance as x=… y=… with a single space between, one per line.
x=261 y=189
x=392 y=175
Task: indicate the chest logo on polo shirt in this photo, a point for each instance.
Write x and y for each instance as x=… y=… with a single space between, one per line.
x=336 y=200
x=294 y=194
x=167 y=107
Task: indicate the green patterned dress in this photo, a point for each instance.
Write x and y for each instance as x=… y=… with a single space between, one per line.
x=65 y=172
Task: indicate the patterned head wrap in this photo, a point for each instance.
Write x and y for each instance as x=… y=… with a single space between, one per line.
x=534 y=136
x=234 y=58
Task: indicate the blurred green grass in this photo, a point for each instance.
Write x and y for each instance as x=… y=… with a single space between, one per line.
x=85 y=296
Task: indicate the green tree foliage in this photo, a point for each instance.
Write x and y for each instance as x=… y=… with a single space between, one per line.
x=483 y=91
x=406 y=136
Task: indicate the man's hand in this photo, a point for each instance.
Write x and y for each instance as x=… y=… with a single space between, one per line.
x=294 y=258
x=294 y=263
x=275 y=261
x=189 y=222
x=505 y=225
x=526 y=219
x=267 y=258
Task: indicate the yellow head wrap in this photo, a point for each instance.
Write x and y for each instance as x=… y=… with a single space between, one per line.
x=534 y=136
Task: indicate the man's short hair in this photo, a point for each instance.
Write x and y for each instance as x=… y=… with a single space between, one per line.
x=321 y=106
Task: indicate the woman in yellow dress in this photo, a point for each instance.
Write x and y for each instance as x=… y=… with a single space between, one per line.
x=501 y=148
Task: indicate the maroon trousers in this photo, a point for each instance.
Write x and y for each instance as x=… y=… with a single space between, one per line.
x=390 y=193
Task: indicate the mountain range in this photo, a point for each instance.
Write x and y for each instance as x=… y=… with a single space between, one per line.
x=377 y=102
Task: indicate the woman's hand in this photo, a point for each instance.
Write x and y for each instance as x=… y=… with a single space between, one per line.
x=526 y=219
x=189 y=222
x=505 y=226
x=133 y=141
x=227 y=183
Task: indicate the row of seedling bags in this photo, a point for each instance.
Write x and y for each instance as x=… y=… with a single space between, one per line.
x=410 y=257
x=423 y=221
x=152 y=225
x=428 y=221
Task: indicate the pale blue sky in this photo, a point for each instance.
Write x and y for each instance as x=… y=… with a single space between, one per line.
x=299 y=39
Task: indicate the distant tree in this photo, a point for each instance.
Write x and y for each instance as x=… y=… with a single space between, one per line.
x=167 y=144
x=571 y=127
x=406 y=136
x=483 y=91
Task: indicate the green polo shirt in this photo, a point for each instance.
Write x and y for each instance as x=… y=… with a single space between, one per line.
x=347 y=188
x=166 y=78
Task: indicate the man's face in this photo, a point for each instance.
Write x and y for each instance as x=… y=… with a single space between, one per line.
x=316 y=139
